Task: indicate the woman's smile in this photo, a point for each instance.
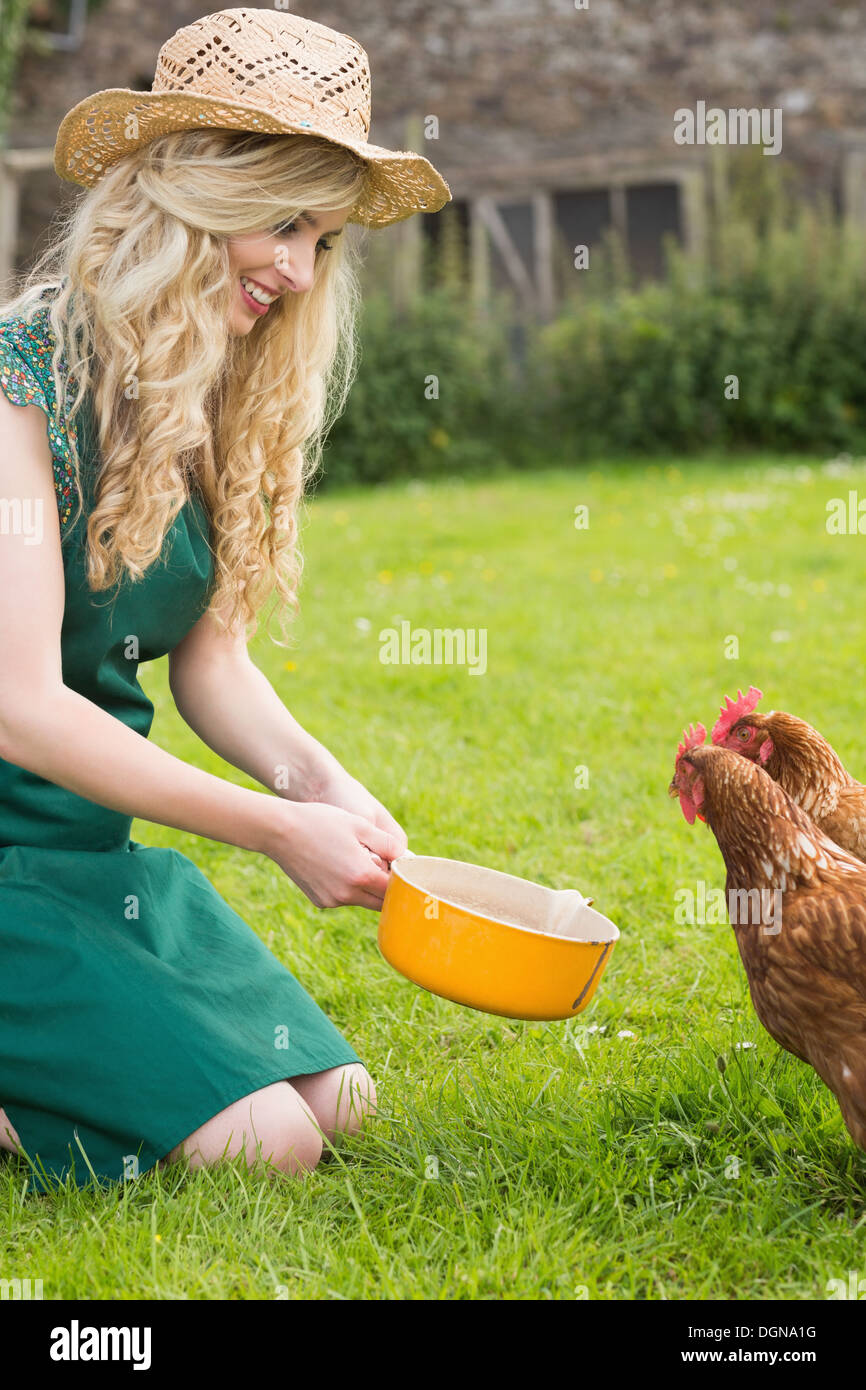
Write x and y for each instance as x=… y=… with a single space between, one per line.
x=256 y=295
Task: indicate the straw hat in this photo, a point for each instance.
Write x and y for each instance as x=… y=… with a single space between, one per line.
x=254 y=70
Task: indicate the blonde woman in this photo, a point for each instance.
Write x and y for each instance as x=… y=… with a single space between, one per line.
x=165 y=392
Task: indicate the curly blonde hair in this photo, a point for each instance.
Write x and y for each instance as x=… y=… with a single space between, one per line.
x=143 y=292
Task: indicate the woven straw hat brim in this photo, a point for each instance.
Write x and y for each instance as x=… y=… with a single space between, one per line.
x=92 y=137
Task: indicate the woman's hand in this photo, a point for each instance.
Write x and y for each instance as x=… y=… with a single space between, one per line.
x=343 y=790
x=334 y=856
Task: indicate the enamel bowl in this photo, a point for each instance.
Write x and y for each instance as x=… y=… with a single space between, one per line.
x=491 y=941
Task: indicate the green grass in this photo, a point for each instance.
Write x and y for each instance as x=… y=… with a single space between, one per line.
x=571 y=1161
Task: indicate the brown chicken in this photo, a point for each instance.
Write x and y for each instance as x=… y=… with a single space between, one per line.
x=797 y=903
x=797 y=757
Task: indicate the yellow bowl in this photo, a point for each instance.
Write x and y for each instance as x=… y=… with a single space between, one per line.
x=489 y=940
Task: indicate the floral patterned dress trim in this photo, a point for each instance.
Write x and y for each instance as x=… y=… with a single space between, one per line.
x=26 y=378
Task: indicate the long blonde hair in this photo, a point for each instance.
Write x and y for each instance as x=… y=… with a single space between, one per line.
x=144 y=290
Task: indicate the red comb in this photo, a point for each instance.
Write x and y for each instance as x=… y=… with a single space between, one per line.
x=732 y=710
x=692 y=737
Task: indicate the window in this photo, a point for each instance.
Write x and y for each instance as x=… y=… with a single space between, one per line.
x=652 y=212
x=446 y=242
x=582 y=218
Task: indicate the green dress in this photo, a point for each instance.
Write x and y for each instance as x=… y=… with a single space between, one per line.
x=134 y=1002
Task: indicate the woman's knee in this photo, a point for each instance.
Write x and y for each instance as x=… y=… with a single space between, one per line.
x=342 y=1098
x=357 y=1099
x=274 y=1124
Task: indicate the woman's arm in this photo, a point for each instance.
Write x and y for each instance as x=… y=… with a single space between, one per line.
x=235 y=710
x=232 y=706
x=61 y=736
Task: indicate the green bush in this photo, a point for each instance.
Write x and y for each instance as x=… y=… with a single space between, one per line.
x=775 y=301
x=645 y=369
x=435 y=393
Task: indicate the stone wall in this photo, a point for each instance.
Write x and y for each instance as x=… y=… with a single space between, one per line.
x=522 y=85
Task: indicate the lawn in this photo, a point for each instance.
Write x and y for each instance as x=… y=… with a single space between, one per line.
x=659 y=1145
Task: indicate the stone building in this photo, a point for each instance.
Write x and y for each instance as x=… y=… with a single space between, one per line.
x=554 y=119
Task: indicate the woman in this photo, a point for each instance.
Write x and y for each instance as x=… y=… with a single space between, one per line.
x=189 y=349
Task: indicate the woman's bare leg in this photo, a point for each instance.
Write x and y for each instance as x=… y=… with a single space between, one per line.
x=276 y=1118
x=341 y=1098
